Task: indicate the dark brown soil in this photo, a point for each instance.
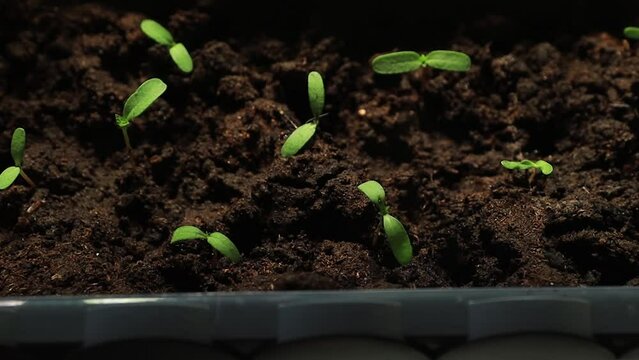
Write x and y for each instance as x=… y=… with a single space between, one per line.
x=207 y=153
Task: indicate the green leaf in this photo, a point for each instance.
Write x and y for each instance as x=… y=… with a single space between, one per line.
x=542 y=165
x=631 y=32
x=181 y=57
x=143 y=97
x=316 y=93
x=187 y=233
x=18 y=142
x=517 y=165
x=224 y=245
x=397 y=62
x=447 y=60
x=375 y=192
x=398 y=239
x=545 y=167
x=298 y=139
x=8 y=176
x=157 y=32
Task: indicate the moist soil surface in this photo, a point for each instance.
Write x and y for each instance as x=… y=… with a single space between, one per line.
x=207 y=153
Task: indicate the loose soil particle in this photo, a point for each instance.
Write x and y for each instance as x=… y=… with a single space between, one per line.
x=206 y=154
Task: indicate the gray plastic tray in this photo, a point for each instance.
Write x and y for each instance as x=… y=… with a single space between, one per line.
x=255 y=318
x=432 y=322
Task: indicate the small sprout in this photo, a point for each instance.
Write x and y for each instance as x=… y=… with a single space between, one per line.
x=217 y=240
x=10 y=174
x=543 y=166
x=407 y=61
x=137 y=103
x=304 y=133
x=631 y=32
x=162 y=36
x=397 y=236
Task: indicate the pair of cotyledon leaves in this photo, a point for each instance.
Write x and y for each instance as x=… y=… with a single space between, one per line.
x=161 y=35
x=541 y=165
x=10 y=174
x=304 y=133
x=406 y=61
x=218 y=241
x=396 y=234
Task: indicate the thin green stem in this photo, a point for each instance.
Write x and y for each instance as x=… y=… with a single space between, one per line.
x=126 y=139
x=383 y=208
x=27 y=178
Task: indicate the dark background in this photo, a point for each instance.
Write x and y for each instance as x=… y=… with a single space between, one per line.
x=384 y=25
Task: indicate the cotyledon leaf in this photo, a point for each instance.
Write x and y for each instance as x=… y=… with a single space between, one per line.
x=447 y=60
x=298 y=139
x=316 y=93
x=181 y=57
x=18 y=142
x=157 y=32
x=397 y=62
x=143 y=97
x=631 y=32
x=398 y=239
x=8 y=176
x=187 y=233
x=375 y=192
x=224 y=245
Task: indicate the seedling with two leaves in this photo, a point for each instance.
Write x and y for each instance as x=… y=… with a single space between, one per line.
x=304 y=133
x=395 y=233
x=407 y=61
x=162 y=36
x=217 y=240
x=10 y=174
x=137 y=103
x=631 y=32
x=541 y=165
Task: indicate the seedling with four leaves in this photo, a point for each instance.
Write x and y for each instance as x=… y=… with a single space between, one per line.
x=162 y=36
x=407 y=61
x=395 y=233
x=217 y=240
x=10 y=174
x=137 y=103
x=304 y=133
x=631 y=32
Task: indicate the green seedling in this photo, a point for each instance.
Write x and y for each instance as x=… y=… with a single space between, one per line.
x=407 y=61
x=541 y=165
x=137 y=103
x=217 y=240
x=304 y=133
x=631 y=32
x=162 y=36
x=395 y=233
x=10 y=174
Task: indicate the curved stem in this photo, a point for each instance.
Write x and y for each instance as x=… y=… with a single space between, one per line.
x=27 y=178
x=126 y=138
x=533 y=175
